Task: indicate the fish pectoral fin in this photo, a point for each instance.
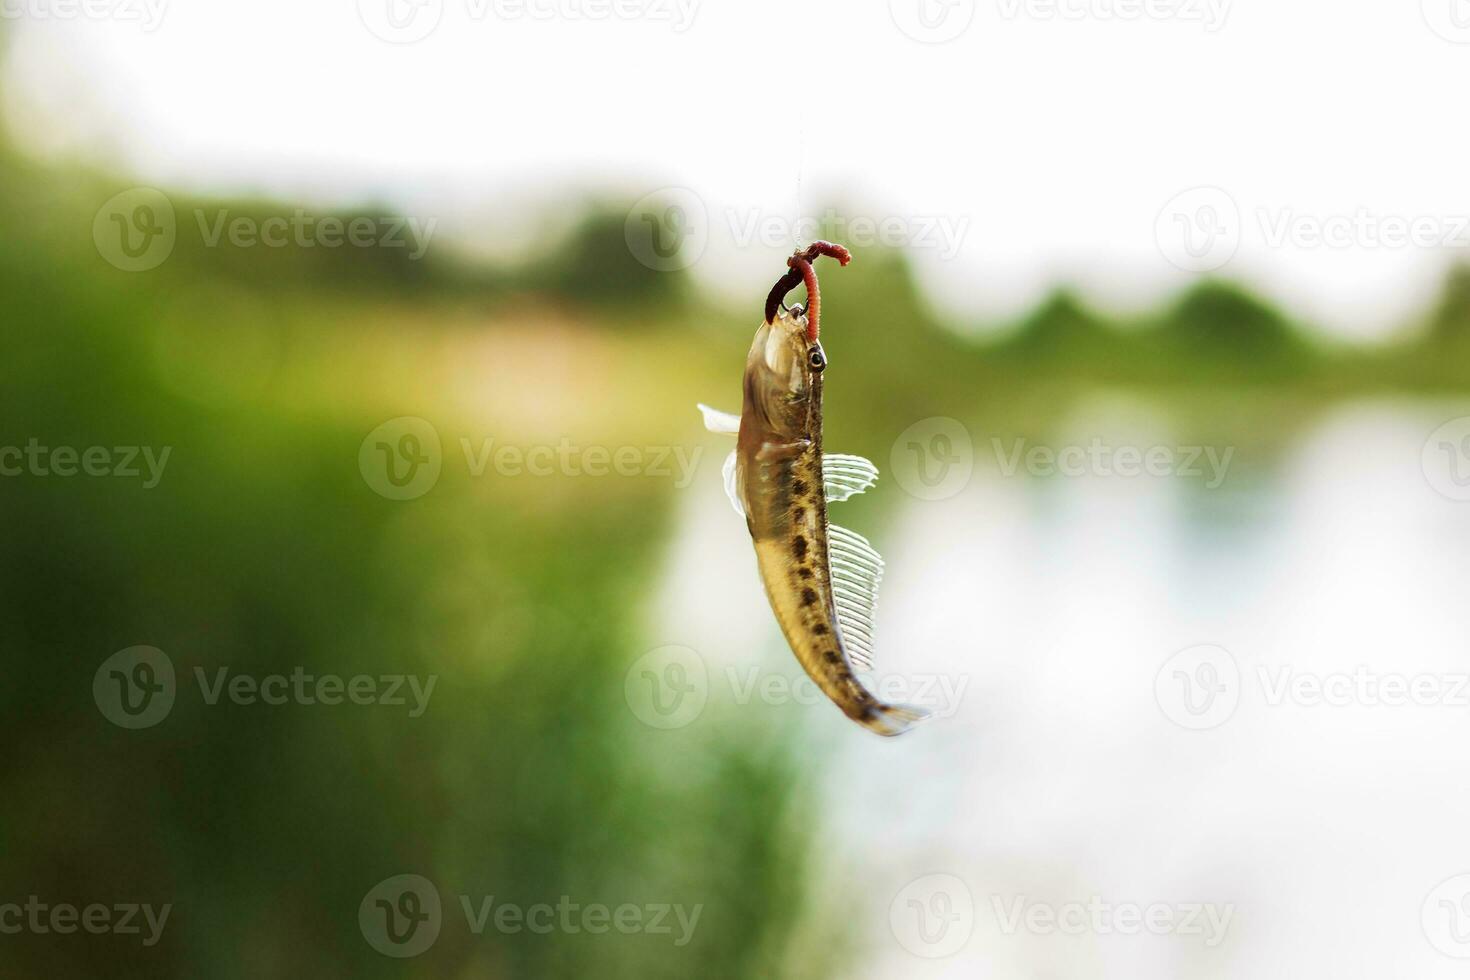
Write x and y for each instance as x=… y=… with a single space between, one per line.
x=718 y=421
x=732 y=483
x=777 y=452
x=846 y=476
x=857 y=571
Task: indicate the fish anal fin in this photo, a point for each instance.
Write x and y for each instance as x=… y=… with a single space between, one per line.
x=857 y=571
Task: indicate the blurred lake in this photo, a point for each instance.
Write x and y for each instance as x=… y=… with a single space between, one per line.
x=1197 y=721
x=1168 y=694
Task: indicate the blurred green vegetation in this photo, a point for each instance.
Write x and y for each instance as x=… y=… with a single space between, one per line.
x=262 y=549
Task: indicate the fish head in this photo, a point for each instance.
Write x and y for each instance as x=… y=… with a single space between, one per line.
x=783 y=375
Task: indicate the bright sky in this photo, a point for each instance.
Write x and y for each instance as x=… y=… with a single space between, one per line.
x=1045 y=142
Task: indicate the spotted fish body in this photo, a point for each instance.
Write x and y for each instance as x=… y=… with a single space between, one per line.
x=821 y=579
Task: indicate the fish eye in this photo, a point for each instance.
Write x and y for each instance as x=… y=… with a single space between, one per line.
x=815 y=359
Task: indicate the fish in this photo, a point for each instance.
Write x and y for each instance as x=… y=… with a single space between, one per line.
x=821 y=579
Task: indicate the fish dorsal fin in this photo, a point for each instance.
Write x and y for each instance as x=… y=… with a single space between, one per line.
x=857 y=570
x=718 y=421
x=732 y=484
x=846 y=476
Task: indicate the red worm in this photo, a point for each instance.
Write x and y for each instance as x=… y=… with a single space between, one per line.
x=801 y=270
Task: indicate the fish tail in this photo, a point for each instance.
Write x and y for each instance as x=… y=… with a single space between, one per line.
x=891 y=719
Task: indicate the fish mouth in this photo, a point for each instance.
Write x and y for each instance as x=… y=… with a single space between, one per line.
x=782 y=343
